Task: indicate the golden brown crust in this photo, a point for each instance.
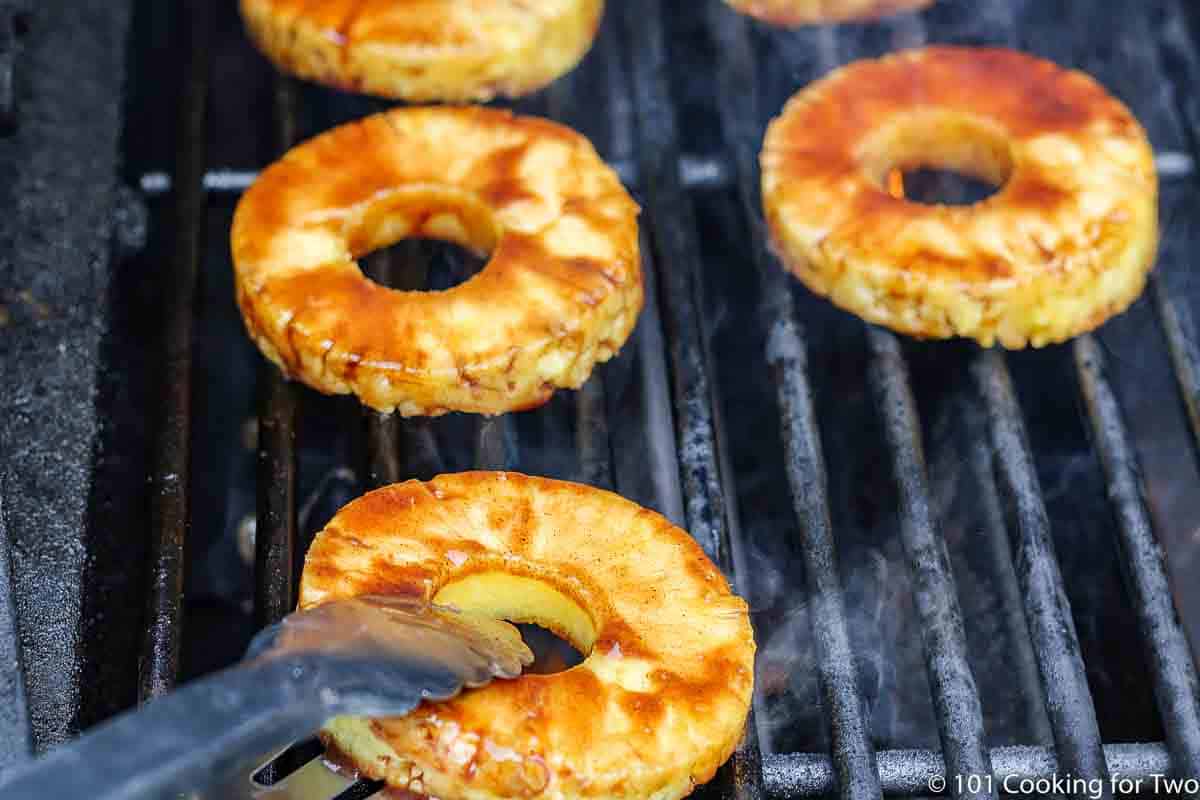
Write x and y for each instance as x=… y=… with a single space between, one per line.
x=793 y=13
x=561 y=291
x=1066 y=242
x=426 y=50
x=654 y=709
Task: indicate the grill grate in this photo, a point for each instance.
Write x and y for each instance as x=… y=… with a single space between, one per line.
x=276 y=556
x=641 y=119
x=159 y=664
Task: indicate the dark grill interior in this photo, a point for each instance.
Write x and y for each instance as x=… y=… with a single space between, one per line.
x=951 y=554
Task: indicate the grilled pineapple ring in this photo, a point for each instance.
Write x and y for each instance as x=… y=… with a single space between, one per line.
x=657 y=705
x=427 y=50
x=1064 y=245
x=792 y=13
x=561 y=291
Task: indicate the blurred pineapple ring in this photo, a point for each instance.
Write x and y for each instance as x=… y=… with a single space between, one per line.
x=793 y=13
x=561 y=291
x=661 y=697
x=1066 y=243
x=428 y=50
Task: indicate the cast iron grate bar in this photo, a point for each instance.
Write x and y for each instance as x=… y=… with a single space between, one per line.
x=591 y=434
x=909 y=773
x=955 y=696
x=672 y=229
x=383 y=430
x=787 y=357
x=853 y=753
x=495 y=444
x=401 y=448
x=275 y=522
x=1069 y=706
x=1171 y=665
x=995 y=538
x=383 y=448
x=159 y=657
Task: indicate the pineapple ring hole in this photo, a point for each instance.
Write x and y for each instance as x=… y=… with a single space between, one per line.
x=520 y=599
x=939 y=158
x=423 y=265
x=423 y=238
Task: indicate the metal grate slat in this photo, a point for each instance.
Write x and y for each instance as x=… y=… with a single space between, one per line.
x=996 y=539
x=955 y=695
x=383 y=449
x=1048 y=612
x=383 y=430
x=414 y=440
x=159 y=658
x=495 y=444
x=673 y=236
x=400 y=448
x=275 y=521
x=853 y=753
x=592 y=435
x=1171 y=665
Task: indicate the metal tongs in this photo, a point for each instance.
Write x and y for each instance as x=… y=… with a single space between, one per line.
x=363 y=657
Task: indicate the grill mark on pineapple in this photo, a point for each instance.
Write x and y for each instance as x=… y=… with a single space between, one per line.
x=505 y=186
